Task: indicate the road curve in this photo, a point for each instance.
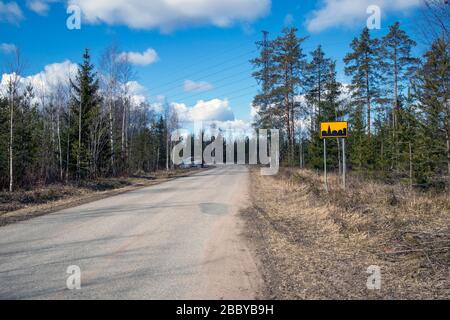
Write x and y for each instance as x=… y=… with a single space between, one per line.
x=176 y=240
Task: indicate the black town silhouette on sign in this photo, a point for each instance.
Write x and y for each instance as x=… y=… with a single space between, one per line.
x=334 y=134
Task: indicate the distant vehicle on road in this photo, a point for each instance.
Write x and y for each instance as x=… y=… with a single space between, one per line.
x=188 y=164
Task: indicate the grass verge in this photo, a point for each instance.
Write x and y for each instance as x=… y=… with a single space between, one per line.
x=313 y=245
x=27 y=204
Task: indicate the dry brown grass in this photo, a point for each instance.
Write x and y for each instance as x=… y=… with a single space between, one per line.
x=26 y=204
x=314 y=245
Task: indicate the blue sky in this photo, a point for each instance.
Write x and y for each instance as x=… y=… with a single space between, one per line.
x=206 y=42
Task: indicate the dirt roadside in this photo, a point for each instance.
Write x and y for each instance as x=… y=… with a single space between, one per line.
x=229 y=269
x=313 y=246
x=84 y=196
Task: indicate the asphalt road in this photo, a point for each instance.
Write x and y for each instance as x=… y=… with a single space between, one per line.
x=177 y=240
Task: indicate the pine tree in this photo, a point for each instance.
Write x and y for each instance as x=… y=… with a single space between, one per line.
x=264 y=74
x=433 y=93
x=28 y=140
x=85 y=107
x=362 y=64
x=398 y=66
x=289 y=65
x=358 y=143
x=332 y=110
x=318 y=74
x=408 y=134
x=4 y=141
x=398 y=63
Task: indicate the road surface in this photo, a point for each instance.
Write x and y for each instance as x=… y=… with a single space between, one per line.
x=177 y=240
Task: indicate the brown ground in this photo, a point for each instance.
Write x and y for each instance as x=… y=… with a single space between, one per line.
x=23 y=205
x=317 y=246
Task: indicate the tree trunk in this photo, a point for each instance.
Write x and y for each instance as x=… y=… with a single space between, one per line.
x=79 y=142
x=395 y=110
x=59 y=145
x=396 y=105
x=448 y=154
x=410 y=166
x=319 y=101
x=368 y=97
x=300 y=141
x=111 y=137
x=288 y=124
x=368 y=104
x=288 y=128
x=52 y=150
x=127 y=119
x=123 y=135
x=292 y=133
x=68 y=149
x=11 y=146
x=167 y=148
x=157 y=159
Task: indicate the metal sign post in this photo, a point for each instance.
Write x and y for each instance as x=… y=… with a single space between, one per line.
x=325 y=164
x=334 y=130
x=344 y=166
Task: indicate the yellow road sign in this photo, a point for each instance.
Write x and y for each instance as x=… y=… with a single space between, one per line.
x=329 y=130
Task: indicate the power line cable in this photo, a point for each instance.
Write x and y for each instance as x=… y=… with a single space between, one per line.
x=191 y=75
x=232 y=76
x=184 y=97
x=227 y=95
x=206 y=56
x=188 y=76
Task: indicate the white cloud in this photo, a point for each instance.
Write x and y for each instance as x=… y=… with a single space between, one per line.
x=254 y=110
x=145 y=58
x=236 y=129
x=214 y=113
x=337 y=13
x=137 y=93
x=53 y=75
x=212 y=110
x=6 y=79
x=46 y=81
x=7 y=48
x=288 y=20
x=201 y=86
x=10 y=12
x=236 y=126
x=41 y=7
x=172 y=14
x=345 y=92
x=157 y=107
